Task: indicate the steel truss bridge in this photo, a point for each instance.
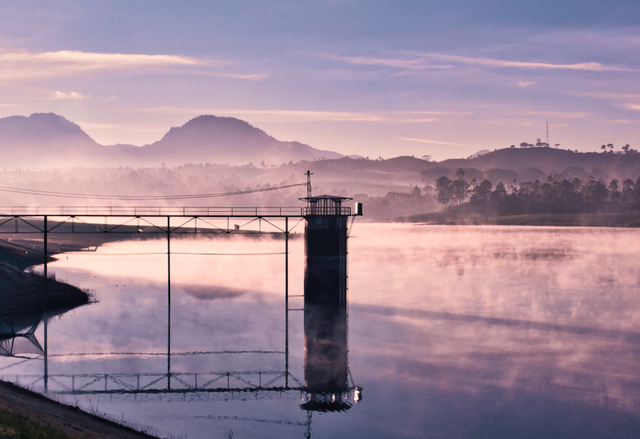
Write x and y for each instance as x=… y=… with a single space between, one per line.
x=169 y=220
x=159 y=220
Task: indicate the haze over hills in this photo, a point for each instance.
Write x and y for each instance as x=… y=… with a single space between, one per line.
x=209 y=155
x=223 y=140
x=49 y=140
x=500 y=165
x=44 y=140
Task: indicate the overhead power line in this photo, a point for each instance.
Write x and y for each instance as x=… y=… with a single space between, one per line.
x=140 y=197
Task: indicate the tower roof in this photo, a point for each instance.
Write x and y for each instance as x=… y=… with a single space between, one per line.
x=326 y=197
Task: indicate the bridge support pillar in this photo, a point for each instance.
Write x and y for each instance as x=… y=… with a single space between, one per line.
x=45 y=242
x=169 y=302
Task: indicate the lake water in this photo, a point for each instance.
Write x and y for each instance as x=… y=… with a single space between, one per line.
x=454 y=332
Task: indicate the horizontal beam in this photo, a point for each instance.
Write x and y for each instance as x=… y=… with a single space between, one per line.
x=278 y=389
x=151 y=211
x=143 y=215
x=169 y=211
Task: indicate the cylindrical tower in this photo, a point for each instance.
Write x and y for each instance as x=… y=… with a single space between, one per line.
x=325 y=295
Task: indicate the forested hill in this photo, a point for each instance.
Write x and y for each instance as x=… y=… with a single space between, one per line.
x=545 y=159
x=500 y=165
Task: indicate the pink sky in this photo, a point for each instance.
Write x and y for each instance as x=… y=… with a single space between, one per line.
x=443 y=80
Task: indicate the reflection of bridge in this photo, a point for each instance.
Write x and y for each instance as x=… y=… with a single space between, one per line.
x=175 y=382
x=256 y=383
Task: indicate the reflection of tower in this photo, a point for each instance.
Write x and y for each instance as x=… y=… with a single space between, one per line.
x=325 y=303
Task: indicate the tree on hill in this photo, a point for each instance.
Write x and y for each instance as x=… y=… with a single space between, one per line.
x=481 y=192
x=627 y=196
x=595 y=193
x=499 y=194
x=556 y=195
x=628 y=150
x=444 y=190
x=541 y=144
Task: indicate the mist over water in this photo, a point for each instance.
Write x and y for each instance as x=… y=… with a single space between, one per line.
x=454 y=332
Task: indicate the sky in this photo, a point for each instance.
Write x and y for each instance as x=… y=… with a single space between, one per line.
x=376 y=78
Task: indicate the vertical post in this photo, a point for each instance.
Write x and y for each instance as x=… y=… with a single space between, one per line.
x=45 y=229
x=45 y=242
x=46 y=359
x=308 y=174
x=168 y=302
x=286 y=300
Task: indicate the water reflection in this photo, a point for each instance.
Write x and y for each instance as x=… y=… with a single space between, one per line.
x=516 y=347
x=227 y=346
x=17 y=335
x=325 y=340
x=18 y=332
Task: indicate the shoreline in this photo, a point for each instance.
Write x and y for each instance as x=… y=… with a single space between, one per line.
x=24 y=412
x=46 y=417
x=602 y=219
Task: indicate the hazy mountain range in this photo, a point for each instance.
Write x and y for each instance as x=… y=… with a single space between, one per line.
x=50 y=140
x=500 y=165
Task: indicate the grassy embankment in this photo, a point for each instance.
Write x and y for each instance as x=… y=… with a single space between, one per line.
x=27 y=415
x=603 y=219
x=24 y=414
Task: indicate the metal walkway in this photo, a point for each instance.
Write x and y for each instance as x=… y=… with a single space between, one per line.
x=162 y=211
x=176 y=211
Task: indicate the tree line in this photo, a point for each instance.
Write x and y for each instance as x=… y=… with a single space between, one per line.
x=534 y=197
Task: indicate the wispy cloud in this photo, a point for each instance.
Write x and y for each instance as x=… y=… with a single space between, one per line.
x=492 y=62
x=437 y=113
x=611 y=95
x=413 y=64
x=292 y=116
x=249 y=77
x=556 y=114
x=422 y=61
x=73 y=95
x=26 y=65
x=93 y=59
x=526 y=83
x=511 y=122
x=624 y=121
x=436 y=142
x=631 y=106
x=423 y=120
x=275 y=115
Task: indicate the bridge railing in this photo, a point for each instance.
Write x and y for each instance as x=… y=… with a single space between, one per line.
x=148 y=211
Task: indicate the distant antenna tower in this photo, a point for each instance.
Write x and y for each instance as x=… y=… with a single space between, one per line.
x=548 y=134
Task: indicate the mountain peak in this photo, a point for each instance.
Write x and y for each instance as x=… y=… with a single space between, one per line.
x=51 y=138
x=40 y=127
x=208 y=127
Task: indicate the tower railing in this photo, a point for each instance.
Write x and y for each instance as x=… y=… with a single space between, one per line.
x=325 y=210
